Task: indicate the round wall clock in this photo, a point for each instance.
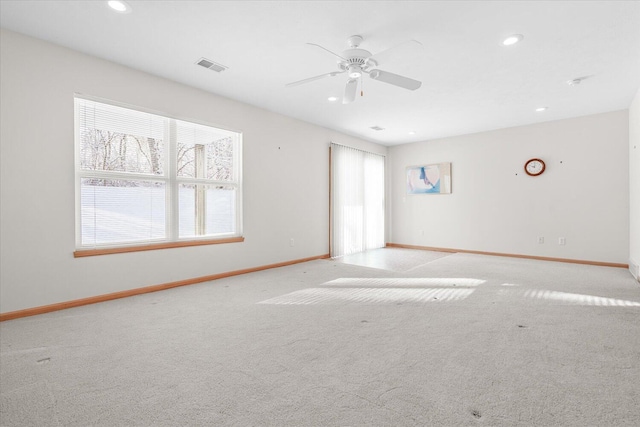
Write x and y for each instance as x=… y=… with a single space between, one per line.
x=534 y=167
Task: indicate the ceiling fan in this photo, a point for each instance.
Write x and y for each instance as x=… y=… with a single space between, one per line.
x=356 y=62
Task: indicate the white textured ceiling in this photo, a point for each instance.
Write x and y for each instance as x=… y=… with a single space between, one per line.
x=471 y=82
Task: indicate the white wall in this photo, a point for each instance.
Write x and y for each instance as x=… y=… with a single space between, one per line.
x=286 y=187
x=634 y=185
x=495 y=207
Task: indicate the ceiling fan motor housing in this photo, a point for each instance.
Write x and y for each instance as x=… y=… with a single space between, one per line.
x=356 y=56
x=356 y=63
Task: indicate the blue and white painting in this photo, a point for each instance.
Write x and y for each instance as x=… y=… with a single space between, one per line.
x=429 y=179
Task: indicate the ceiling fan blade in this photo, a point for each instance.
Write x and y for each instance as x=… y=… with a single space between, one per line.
x=310 y=79
x=324 y=48
x=395 y=79
x=350 y=91
x=404 y=47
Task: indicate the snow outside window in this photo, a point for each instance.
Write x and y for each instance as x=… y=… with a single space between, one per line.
x=143 y=178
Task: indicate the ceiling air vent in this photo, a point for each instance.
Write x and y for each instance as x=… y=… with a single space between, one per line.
x=203 y=62
x=376 y=128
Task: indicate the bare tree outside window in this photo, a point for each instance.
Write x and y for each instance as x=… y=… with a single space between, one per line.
x=126 y=193
x=218 y=160
x=112 y=151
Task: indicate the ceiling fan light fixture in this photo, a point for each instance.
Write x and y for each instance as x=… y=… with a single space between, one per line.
x=355 y=72
x=119 y=6
x=512 y=39
x=350 y=91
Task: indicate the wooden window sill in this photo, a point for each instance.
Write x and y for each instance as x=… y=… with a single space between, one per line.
x=167 y=245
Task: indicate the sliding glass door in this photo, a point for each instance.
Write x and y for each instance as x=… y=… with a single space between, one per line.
x=357 y=200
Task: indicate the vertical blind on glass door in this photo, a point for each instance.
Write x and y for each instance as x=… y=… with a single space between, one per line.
x=357 y=200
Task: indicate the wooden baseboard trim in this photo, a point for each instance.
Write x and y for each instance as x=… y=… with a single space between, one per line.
x=539 y=258
x=138 y=291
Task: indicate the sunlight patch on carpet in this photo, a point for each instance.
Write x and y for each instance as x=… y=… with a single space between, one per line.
x=423 y=282
x=579 y=299
x=369 y=296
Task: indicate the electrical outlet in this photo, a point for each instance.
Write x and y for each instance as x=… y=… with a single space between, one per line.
x=292 y=242
x=540 y=239
x=562 y=241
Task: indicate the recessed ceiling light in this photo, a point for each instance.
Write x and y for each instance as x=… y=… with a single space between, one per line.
x=119 y=6
x=412 y=132
x=512 y=39
x=332 y=98
x=540 y=109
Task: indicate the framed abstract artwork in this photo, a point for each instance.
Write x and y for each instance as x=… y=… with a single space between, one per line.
x=429 y=179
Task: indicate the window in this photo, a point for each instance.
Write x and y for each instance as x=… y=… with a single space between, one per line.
x=143 y=178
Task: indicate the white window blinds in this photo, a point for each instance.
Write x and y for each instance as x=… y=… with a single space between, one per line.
x=144 y=178
x=357 y=200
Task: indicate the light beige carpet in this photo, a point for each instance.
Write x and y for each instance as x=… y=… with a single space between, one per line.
x=461 y=340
